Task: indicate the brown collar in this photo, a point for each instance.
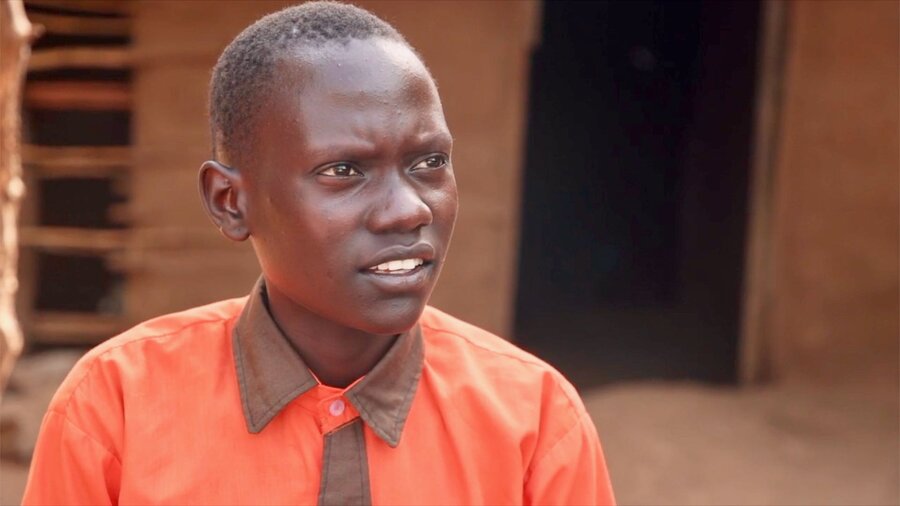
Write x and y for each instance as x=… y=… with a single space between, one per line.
x=271 y=374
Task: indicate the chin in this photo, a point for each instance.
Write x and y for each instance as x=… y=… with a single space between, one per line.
x=396 y=318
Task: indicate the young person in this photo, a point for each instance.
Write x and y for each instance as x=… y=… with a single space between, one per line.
x=333 y=382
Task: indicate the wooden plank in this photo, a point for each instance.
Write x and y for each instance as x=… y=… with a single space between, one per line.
x=179 y=238
x=139 y=241
x=91 y=57
x=60 y=327
x=78 y=95
x=75 y=240
x=86 y=172
x=116 y=7
x=77 y=160
x=75 y=25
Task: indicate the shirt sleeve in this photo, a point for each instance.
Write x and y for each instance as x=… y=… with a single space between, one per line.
x=70 y=467
x=572 y=472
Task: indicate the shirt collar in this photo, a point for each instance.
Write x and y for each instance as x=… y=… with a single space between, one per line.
x=271 y=374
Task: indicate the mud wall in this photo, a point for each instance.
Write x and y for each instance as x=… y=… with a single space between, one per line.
x=835 y=306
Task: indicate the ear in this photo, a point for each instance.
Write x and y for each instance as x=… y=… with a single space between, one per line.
x=224 y=196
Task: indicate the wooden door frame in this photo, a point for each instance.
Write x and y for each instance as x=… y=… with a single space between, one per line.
x=755 y=347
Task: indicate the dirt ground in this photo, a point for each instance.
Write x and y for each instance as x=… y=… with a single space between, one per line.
x=690 y=444
x=665 y=443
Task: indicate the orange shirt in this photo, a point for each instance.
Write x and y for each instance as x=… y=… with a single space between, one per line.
x=214 y=406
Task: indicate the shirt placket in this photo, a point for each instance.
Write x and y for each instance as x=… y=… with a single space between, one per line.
x=345 y=469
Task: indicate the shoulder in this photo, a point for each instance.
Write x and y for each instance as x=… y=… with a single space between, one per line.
x=448 y=331
x=495 y=365
x=135 y=352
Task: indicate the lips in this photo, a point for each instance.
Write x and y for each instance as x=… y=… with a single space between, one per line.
x=397 y=267
x=399 y=260
x=401 y=269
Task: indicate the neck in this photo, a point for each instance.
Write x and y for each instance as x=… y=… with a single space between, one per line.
x=337 y=355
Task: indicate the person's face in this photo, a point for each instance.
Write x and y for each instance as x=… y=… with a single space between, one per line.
x=351 y=201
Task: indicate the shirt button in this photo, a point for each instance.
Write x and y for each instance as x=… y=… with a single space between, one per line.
x=336 y=408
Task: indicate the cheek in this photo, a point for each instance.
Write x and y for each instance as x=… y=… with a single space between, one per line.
x=445 y=204
x=327 y=232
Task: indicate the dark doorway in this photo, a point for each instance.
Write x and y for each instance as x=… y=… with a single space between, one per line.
x=634 y=210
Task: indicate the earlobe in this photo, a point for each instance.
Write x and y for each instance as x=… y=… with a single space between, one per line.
x=221 y=192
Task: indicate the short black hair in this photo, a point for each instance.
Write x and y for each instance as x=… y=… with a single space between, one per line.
x=244 y=73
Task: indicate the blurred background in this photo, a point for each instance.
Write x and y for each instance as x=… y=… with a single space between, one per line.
x=690 y=208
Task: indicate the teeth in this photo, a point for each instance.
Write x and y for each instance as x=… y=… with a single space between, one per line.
x=406 y=264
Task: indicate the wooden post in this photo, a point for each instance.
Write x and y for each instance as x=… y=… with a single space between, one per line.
x=755 y=347
x=16 y=34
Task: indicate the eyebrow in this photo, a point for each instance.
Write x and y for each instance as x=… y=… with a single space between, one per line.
x=363 y=150
x=433 y=138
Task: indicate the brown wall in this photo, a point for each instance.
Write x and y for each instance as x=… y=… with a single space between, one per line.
x=835 y=307
x=477 y=51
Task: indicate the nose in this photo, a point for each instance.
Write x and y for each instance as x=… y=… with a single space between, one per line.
x=401 y=209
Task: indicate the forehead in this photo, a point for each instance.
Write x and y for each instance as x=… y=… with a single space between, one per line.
x=375 y=66
x=358 y=74
x=373 y=90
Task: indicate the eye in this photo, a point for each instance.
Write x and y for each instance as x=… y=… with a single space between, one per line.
x=432 y=162
x=340 y=170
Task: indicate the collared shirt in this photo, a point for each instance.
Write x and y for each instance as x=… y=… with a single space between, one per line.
x=214 y=406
